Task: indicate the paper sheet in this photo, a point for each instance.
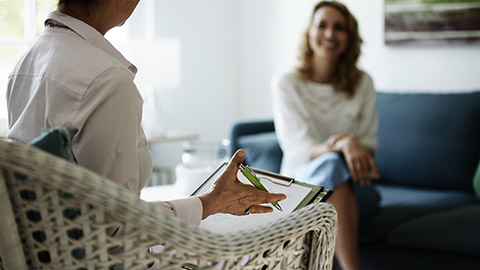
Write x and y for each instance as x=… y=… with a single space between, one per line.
x=226 y=223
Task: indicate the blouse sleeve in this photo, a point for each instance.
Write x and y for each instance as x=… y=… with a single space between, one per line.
x=109 y=127
x=110 y=138
x=189 y=209
x=292 y=124
x=368 y=122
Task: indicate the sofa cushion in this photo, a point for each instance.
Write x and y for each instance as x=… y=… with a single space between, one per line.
x=401 y=204
x=387 y=257
x=455 y=230
x=429 y=140
x=261 y=151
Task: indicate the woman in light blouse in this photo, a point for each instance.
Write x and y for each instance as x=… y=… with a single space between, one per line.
x=72 y=76
x=326 y=120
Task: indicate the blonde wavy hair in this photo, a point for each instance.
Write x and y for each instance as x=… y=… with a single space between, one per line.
x=347 y=76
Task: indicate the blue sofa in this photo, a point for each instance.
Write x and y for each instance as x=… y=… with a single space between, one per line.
x=428 y=152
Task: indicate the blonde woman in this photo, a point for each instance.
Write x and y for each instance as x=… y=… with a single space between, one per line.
x=326 y=121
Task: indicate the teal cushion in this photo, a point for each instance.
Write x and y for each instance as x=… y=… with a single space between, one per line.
x=476 y=181
x=55 y=141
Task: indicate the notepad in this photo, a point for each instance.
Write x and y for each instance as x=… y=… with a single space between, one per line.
x=298 y=194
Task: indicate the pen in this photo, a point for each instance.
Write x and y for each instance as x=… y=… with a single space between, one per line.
x=249 y=174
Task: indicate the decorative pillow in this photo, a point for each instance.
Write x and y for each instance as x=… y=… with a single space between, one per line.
x=55 y=141
x=476 y=181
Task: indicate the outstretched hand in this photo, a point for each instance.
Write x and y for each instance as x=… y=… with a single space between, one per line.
x=231 y=196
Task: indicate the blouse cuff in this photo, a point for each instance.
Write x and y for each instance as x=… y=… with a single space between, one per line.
x=189 y=209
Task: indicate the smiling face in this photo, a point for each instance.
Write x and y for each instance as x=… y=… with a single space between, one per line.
x=328 y=37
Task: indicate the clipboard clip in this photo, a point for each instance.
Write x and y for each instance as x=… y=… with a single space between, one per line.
x=274 y=177
x=281 y=183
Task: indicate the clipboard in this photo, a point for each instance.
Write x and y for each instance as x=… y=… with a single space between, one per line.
x=299 y=194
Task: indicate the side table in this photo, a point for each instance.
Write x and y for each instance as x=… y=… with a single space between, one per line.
x=169 y=146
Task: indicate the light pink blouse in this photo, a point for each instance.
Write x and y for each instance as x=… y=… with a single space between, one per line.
x=72 y=76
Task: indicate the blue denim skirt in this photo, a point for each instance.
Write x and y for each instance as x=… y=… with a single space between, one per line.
x=330 y=170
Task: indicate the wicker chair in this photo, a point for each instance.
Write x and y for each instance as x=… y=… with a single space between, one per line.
x=57 y=215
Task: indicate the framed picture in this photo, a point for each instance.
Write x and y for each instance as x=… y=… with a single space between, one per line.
x=432 y=21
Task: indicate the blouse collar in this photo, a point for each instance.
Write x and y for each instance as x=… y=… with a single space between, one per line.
x=89 y=34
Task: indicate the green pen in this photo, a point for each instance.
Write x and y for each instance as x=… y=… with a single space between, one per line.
x=250 y=175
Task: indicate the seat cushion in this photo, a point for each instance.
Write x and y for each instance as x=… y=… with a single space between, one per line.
x=262 y=151
x=429 y=140
x=387 y=257
x=400 y=204
x=455 y=230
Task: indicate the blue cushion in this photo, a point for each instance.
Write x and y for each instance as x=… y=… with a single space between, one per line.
x=55 y=141
x=261 y=151
x=429 y=140
x=401 y=204
x=456 y=230
x=387 y=257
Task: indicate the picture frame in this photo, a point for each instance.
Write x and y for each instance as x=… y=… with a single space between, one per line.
x=431 y=21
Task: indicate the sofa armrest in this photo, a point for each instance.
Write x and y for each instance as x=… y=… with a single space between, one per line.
x=260 y=143
x=241 y=128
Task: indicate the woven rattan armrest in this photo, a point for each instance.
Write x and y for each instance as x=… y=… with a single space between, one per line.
x=80 y=210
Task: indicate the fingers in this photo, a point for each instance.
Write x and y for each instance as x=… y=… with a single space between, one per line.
x=374 y=167
x=259 y=209
x=352 y=167
x=258 y=196
x=236 y=160
x=361 y=170
x=270 y=198
x=255 y=201
x=364 y=172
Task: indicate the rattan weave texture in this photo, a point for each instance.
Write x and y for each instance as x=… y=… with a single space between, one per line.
x=57 y=215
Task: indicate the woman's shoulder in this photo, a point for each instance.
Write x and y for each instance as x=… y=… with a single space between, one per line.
x=288 y=79
x=291 y=76
x=366 y=82
x=365 y=78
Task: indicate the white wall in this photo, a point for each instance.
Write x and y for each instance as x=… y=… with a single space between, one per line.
x=205 y=101
x=209 y=33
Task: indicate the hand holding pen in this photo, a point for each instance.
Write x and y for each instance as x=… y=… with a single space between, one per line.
x=250 y=175
x=229 y=195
